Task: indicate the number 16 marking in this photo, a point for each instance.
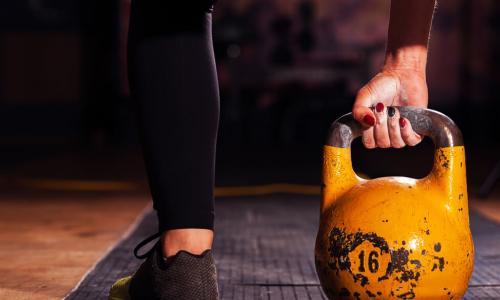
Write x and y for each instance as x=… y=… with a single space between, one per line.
x=372 y=261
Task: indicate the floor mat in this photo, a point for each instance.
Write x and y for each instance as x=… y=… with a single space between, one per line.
x=264 y=250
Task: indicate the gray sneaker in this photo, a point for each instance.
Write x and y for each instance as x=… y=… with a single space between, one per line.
x=184 y=276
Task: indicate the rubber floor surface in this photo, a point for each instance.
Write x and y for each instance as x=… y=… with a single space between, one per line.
x=264 y=250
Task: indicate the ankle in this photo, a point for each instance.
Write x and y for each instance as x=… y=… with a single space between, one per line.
x=192 y=240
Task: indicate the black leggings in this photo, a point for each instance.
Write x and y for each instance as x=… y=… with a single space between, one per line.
x=173 y=81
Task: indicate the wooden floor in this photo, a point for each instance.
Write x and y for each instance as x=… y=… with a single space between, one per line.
x=48 y=241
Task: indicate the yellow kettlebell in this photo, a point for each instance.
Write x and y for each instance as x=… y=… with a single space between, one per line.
x=395 y=237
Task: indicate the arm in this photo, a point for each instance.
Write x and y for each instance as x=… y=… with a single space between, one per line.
x=408 y=35
x=402 y=79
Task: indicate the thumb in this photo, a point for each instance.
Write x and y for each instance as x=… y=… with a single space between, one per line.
x=361 y=110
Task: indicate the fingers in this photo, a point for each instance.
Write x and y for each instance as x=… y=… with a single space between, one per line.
x=383 y=126
x=363 y=113
x=394 y=129
x=361 y=110
x=389 y=130
x=410 y=137
x=380 y=131
x=368 y=139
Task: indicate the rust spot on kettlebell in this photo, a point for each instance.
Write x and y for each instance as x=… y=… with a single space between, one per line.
x=445 y=160
x=416 y=262
x=399 y=263
x=408 y=295
x=399 y=259
x=439 y=264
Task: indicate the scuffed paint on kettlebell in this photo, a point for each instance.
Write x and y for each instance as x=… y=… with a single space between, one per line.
x=395 y=237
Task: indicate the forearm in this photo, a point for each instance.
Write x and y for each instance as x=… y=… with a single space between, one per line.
x=409 y=27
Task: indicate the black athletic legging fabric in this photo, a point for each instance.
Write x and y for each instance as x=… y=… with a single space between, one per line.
x=173 y=81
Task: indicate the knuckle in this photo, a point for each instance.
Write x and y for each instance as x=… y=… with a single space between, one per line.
x=362 y=93
x=368 y=142
x=405 y=134
x=381 y=119
x=414 y=142
x=393 y=124
x=369 y=146
x=398 y=145
x=383 y=143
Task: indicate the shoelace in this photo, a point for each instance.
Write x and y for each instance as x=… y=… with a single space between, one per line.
x=143 y=243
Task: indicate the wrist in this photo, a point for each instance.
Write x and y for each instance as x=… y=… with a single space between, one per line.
x=409 y=58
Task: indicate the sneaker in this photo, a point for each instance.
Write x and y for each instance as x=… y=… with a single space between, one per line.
x=184 y=276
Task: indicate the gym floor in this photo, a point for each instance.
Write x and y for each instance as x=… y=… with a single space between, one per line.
x=68 y=224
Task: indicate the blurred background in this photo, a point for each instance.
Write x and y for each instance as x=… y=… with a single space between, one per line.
x=70 y=156
x=287 y=69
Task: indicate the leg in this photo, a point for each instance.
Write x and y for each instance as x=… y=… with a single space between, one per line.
x=174 y=84
x=173 y=80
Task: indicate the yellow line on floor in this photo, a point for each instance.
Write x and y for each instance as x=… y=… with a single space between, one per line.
x=76 y=185
x=489 y=209
x=107 y=185
x=265 y=189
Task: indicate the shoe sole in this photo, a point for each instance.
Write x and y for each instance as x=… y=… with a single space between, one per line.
x=119 y=290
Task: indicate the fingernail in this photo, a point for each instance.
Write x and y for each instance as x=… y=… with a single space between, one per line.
x=379 y=107
x=391 y=111
x=402 y=122
x=369 y=120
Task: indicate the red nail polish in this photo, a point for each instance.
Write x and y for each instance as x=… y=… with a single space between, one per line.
x=369 y=120
x=402 y=122
x=379 y=107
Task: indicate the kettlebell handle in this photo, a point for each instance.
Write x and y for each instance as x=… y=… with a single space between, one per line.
x=427 y=122
x=448 y=171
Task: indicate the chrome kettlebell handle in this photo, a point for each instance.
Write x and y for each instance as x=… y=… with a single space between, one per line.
x=427 y=122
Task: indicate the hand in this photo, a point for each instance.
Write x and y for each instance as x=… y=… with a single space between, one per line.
x=383 y=126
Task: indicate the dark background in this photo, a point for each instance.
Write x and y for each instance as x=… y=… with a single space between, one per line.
x=287 y=69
